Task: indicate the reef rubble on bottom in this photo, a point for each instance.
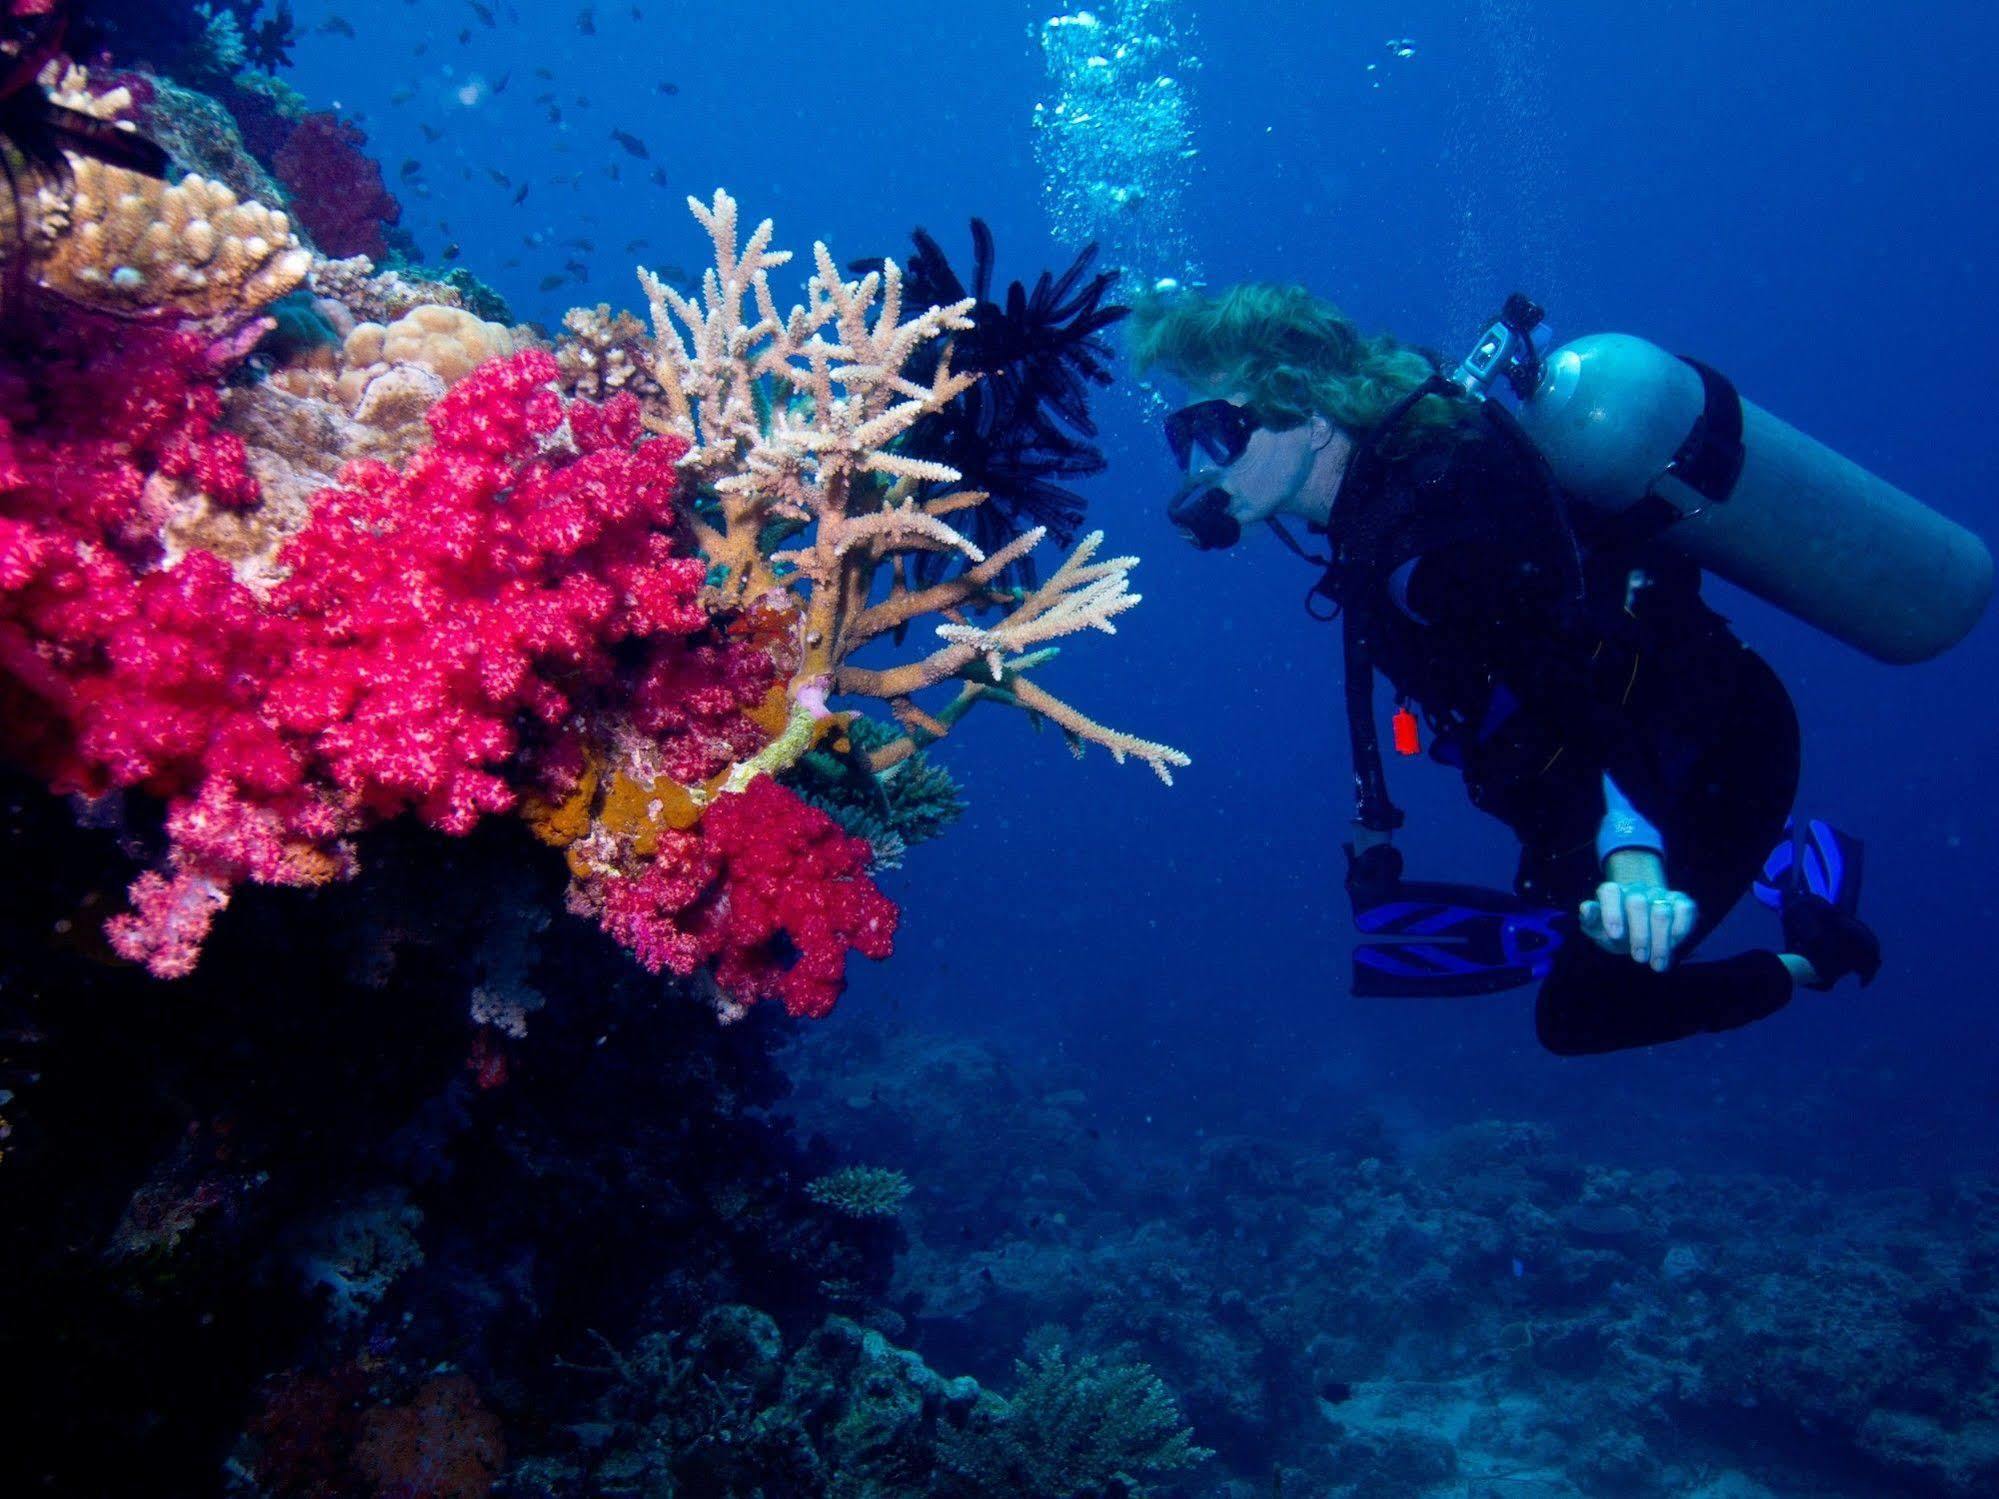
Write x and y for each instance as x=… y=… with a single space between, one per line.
x=1476 y=1311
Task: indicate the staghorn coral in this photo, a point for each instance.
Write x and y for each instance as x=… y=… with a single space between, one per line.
x=793 y=424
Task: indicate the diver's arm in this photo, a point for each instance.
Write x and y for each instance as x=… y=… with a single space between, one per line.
x=1624 y=826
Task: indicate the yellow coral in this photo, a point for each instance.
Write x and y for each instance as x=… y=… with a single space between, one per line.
x=562 y=823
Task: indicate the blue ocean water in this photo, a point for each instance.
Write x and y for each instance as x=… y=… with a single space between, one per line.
x=1148 y=987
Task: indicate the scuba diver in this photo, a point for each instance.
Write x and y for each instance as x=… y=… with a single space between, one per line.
x=1530 y=584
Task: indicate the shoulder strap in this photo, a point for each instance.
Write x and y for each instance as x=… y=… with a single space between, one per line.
x=1373 y=808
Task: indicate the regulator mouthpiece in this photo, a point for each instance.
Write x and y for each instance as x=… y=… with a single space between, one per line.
x=1202 y=516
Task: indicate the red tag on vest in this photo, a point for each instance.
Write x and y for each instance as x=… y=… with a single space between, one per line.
x=1407 y=740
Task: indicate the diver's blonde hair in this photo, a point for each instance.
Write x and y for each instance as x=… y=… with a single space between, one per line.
x=1291 y=356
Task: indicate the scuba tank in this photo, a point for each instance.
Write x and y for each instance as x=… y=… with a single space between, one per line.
x=1667 y=447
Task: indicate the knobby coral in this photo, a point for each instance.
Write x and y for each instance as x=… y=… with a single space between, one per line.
x=116 y=240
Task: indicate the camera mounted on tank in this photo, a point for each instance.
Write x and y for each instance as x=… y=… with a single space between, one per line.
x=1508 y=347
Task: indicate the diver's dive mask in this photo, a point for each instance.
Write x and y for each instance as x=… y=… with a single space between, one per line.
x=1220 y=429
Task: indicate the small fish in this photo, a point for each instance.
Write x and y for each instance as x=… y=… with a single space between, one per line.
x=613 y=173
x=521 y=196
x=451 y=251
x=659 y=176
x=500 y=178
x=411 y=166
x=544 y=98
x=586 y=21
x=1519 y=1269
x=421 y=48
x=501 y=86
x=669 y=88
x=335 y=26
x=554 y=115
x=582 y=101
x=545 y=75
x=484 y=13
x=464 y=35
x=511 y=263
x=550 y=283
x=431 y=133
x=576 y=268
x=402 y=96
x=632 y=144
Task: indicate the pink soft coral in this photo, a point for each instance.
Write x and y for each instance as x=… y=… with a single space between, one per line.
x=429 y=614
x=768 y=889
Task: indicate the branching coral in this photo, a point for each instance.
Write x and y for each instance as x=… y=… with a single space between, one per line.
x=794 y=425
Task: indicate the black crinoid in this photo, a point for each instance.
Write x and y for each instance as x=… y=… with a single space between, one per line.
x=1023 y=433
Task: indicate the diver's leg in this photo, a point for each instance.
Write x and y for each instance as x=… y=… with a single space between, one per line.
x=1730 y=813
x=1596 y=1001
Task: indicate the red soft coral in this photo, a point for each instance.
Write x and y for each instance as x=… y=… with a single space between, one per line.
x=429 y=615
x=771 y=891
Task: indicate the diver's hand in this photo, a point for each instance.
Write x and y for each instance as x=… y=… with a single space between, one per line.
x=1635 y=911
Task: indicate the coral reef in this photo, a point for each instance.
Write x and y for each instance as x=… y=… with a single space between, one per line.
x=1477 y=1311
x=909 y=802
x=602 y=352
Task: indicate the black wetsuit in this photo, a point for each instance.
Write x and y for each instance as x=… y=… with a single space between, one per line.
x=1544 y=659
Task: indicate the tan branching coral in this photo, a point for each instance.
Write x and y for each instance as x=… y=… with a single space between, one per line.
x=124 y=242
x=793 y=422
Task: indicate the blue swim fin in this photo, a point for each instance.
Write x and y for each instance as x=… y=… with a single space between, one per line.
x=1426 y=940
x=1815 y=858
